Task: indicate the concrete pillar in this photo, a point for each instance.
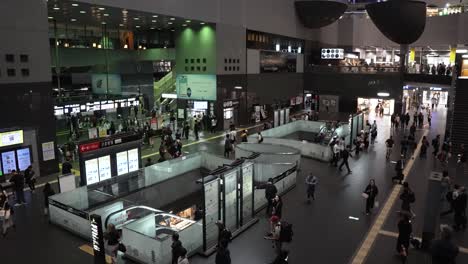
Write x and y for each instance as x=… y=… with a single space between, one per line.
x=432 y=209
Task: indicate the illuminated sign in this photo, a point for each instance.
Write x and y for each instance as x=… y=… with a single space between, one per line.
x=11 y=138
x=97 y=239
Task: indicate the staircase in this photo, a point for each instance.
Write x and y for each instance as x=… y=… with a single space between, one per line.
x=167 y=84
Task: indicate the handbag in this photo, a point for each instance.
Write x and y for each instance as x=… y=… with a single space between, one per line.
x=122 y=248
x=376 y=204
x=365 y=195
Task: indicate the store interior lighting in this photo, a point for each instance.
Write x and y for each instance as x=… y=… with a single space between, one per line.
x=277 y=47
x=383 y=94
x=461 y=51
x=299 y=50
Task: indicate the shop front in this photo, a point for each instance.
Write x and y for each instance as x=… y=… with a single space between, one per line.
x=231 y=113
x=371 y=104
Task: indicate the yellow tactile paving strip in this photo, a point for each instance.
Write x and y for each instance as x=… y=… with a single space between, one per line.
x=88 y=249
x=363 y=251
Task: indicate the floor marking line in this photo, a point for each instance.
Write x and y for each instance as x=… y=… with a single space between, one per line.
x=363 y=251
x=89 y=250
x=395 y=235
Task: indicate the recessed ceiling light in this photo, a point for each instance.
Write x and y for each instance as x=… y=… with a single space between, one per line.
x=155 y=15
x=124 y=11
x=75 y=5
x=56 y=8
x=170 y=23
x=106 y=14
x=137 y=26
x=151 y=27
x=121 y=25
x=184 y=25
x=188 y=21
x=101 y=8
x=83 y=12
x=73 y=20
x=172 y=29
x=202 y=23
x=50 y=17
x=103 y=23
x=154 y=21
x=136 y=18
x=172 y=18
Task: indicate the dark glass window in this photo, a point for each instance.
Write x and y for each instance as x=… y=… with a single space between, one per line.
x=10 y=58
x=24 y=58
x=11 y=72
x=25 y=72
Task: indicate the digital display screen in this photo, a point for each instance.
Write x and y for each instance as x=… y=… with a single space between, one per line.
x=8 y=161
x=11 y=138
x=133 y=160
x=104 y=168
x=122 y=163
x=91 y=168
x=200 y=105
x=24 y=158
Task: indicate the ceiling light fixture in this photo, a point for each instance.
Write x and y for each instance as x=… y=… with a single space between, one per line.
x=151 y=27
x=125 y=46
x=169 y=23
x=73 y=19
x=383 y=94
x=137 y=26
x=121 y=25
x=136 y=18
x=172 y=18
x=188 y=21
x=83 y=12
x=106 y=15
x=154 y=21
x=155 y=15
x=56 y=8
x=101 y=8
x=184 y=25
x=465 y=56
x=50 y=17
x=202 y=23
x=103 y=23
x=460 y=51
x=75 y=5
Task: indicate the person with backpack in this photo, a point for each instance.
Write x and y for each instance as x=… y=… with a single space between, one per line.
x=345 y=154
x=405 y=229
x=30 y=178
x=370 y=193
x=389 y=144
x=183 y=257
x=399 y=167
x=270 y=193
x=311 y=182
x=407 y=197
x=224 y=234
x=223 y=255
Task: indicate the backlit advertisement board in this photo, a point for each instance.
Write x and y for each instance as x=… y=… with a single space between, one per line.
x=196 y=86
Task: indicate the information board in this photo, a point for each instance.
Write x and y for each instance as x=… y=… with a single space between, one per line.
x=122 y=163
x=247 y=192
x=230 y=199
x=133 y=160
x=196 y=86
x=104 y=168
x=11 y=138
x=24 y=158
x=91 y=168
x=8 y=161
x=211 y=212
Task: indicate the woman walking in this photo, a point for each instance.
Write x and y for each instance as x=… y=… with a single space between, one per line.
x=5 y=212
x=370 y=193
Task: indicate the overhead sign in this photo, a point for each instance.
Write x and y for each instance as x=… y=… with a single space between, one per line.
x=196 y=86
x=332 y=54
x=11 y=138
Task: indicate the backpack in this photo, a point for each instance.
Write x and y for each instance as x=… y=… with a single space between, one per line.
x=286 y=232
x=411 y=197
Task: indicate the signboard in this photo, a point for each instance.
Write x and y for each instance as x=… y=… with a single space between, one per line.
x=92 y=171
x=196 y=86
x=332 y=54
x=11 y=138
x=102 y=132
x=92 y=132
x=154 y=123
x=24 y=158
x=8 y=161
x=106 y=84
x=97 y=237
x=48 y=151
x=133 y=159
x=271 y=61
x=122 y=163
x=104 y=168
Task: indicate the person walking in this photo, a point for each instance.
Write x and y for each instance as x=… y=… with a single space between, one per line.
x=443 y=250
x=186 y=130
x=18 y=184
x=436 y=145
x=223 y=255
x=176 y=248
x=5 y=209
x=47 y=191
x=277 y=206
x=112 y=239
x=196 y=129
x=224 y=234
x=429 y=119
x=66 y=166
x=370 y=193
x=404 y=146
x=227 y=146
x=30 y=178
x=345 y=154
x=459 y=207
x=311 y=182
x=405 y=229
x=407 y=197
x=183 y=257
x=407 y=119
x=413 y=129
x=389 y=144
x=259 y=137
x=270 y=193
x=214 y=123
x=424 y=146
x=373 y=135
x=397 y=121
x=244 y=136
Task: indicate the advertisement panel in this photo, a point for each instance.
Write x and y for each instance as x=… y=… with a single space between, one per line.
x=104 y=168
x=133 y=160
x=196 y=86
x=106 y=83
x=91 y=168
x=8 y=161
x=271 y=61
x=11 y=138
x=24 y=158
x=122 y=163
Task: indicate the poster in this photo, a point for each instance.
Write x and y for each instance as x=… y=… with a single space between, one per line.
x=196 y=86
x=102 y=132
x=92 y=133
x=91 y=168
x=271 y=61
x=48 y=151
x=122 y=163
x=11 y=138
x=24 y=158
x=104 y=168
x=133 y=159
x=8 y=161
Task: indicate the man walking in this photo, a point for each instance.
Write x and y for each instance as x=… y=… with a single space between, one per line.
x=436 y=145
x=18 y=183
x=270 y=193
x=399 y=167
x=345 y=155
x=311 y=182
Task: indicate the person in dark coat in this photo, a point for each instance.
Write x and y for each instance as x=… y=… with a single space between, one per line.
x=404 y=234
x=270 y=193
x=29 y=178
x=66 y=167
x=443 y=250
x=223 y=256
x=459 y=207
x=399 y=167
x=18 y=184
x=371 y=191
x=48 y=191
x=407 y=197
x=345 y=154
x=224 y=235
x=176 y=248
